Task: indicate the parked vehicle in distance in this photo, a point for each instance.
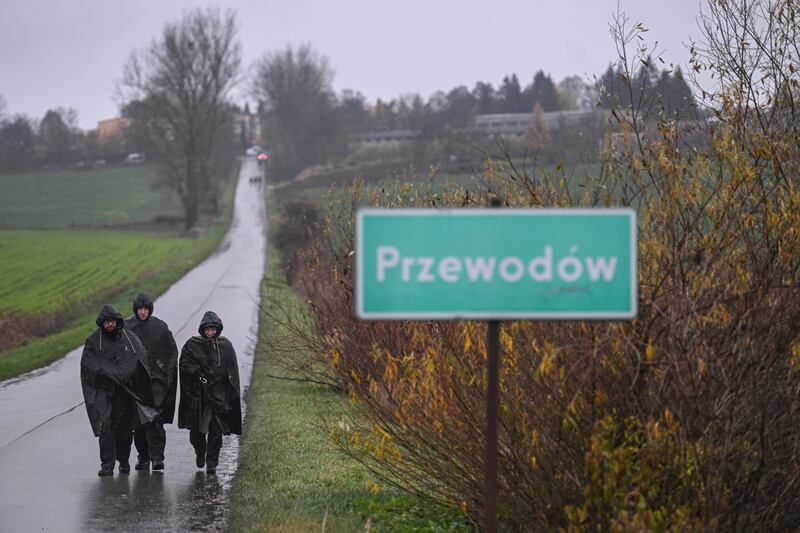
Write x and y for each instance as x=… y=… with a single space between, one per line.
x=135 y=158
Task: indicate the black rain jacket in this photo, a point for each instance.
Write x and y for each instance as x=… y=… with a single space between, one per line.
x=209 y=381
x=162 y=357
x=114 y=377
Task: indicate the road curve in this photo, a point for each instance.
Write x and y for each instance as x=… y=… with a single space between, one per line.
x=48 y=455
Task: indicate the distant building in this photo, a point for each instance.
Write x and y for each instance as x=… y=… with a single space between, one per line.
x=516 y=124
x=246 y=128
x=135 y=158
x=111 y=128
x=382 y=138
x=510 y=125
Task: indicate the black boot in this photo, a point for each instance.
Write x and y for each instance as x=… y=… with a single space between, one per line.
x=142 y=465
x=106 y=471
x=124 y=468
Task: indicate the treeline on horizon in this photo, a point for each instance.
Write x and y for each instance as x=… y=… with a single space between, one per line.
x=460 y=104
x=305 y=123
x=56 y=142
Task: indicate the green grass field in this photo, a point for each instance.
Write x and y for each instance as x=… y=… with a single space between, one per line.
x=69 y=274
x=62 y=200
x=45 y=271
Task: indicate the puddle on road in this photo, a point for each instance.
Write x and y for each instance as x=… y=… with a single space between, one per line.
x=161 y=502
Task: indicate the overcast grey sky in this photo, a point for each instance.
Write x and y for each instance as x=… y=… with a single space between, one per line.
x=70 y=53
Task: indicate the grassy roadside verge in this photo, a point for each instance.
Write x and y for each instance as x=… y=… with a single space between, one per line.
x=110 y=197
x=291 y=477
x=39 y=352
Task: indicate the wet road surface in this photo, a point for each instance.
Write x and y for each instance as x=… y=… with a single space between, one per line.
x=48 y=455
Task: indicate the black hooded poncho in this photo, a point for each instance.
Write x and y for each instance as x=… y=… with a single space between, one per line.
x=209 y=381
x=162 y=357
x=115 y=377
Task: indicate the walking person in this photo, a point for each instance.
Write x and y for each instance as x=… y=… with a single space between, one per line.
x=210 y=405
x=116 y=388
x=162 y=357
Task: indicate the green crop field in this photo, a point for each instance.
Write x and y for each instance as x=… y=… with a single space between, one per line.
x=60 y=278
x=109 y=197
x=71 y=257
x=45 y=271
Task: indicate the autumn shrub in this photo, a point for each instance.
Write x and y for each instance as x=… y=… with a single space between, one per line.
x=299 y=222
x=686 y=418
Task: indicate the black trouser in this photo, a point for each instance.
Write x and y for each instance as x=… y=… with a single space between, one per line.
x=150 y=441
x=210 y=446
x=115 y=445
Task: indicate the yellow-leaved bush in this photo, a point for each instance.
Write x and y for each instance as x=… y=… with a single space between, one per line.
x=686 y=418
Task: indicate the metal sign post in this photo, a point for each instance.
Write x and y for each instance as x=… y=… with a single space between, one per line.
x=496 y=264
x=492 y=408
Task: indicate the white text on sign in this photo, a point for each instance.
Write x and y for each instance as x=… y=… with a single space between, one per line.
x=450 y=269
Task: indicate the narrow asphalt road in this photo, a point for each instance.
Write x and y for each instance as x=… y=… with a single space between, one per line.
x=48 y=455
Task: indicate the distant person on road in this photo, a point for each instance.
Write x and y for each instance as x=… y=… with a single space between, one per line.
x=116 y=388
x=210 y=405
x=162 y=358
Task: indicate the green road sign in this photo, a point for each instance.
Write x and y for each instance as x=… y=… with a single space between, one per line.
x=496 y=264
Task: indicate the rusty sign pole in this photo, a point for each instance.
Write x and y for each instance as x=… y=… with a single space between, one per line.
x=492 y=408
x=390 y=241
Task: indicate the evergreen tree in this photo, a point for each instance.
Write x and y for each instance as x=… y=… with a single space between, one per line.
x=17 y=145
x=610 y=87
x=510 y=96
x=56 y=136
x=682 y=100
x=544 y=92
x=461 y=108
x=485 y=94
x=643 y=89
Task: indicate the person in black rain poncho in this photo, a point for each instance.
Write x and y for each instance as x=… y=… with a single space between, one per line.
x=116 y=388
x=210 y=406
x=162 y=357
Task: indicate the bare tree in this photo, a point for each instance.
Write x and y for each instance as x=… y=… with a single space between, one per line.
x=58 y=135
x=301 y=125
x=176 y=92
x=17 y=144
x=538 y=136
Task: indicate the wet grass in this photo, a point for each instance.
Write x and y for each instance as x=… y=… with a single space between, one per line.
x=96 y=198
x=62 y=278
x=575 y=174
x=291 y=477
x=321 y=195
